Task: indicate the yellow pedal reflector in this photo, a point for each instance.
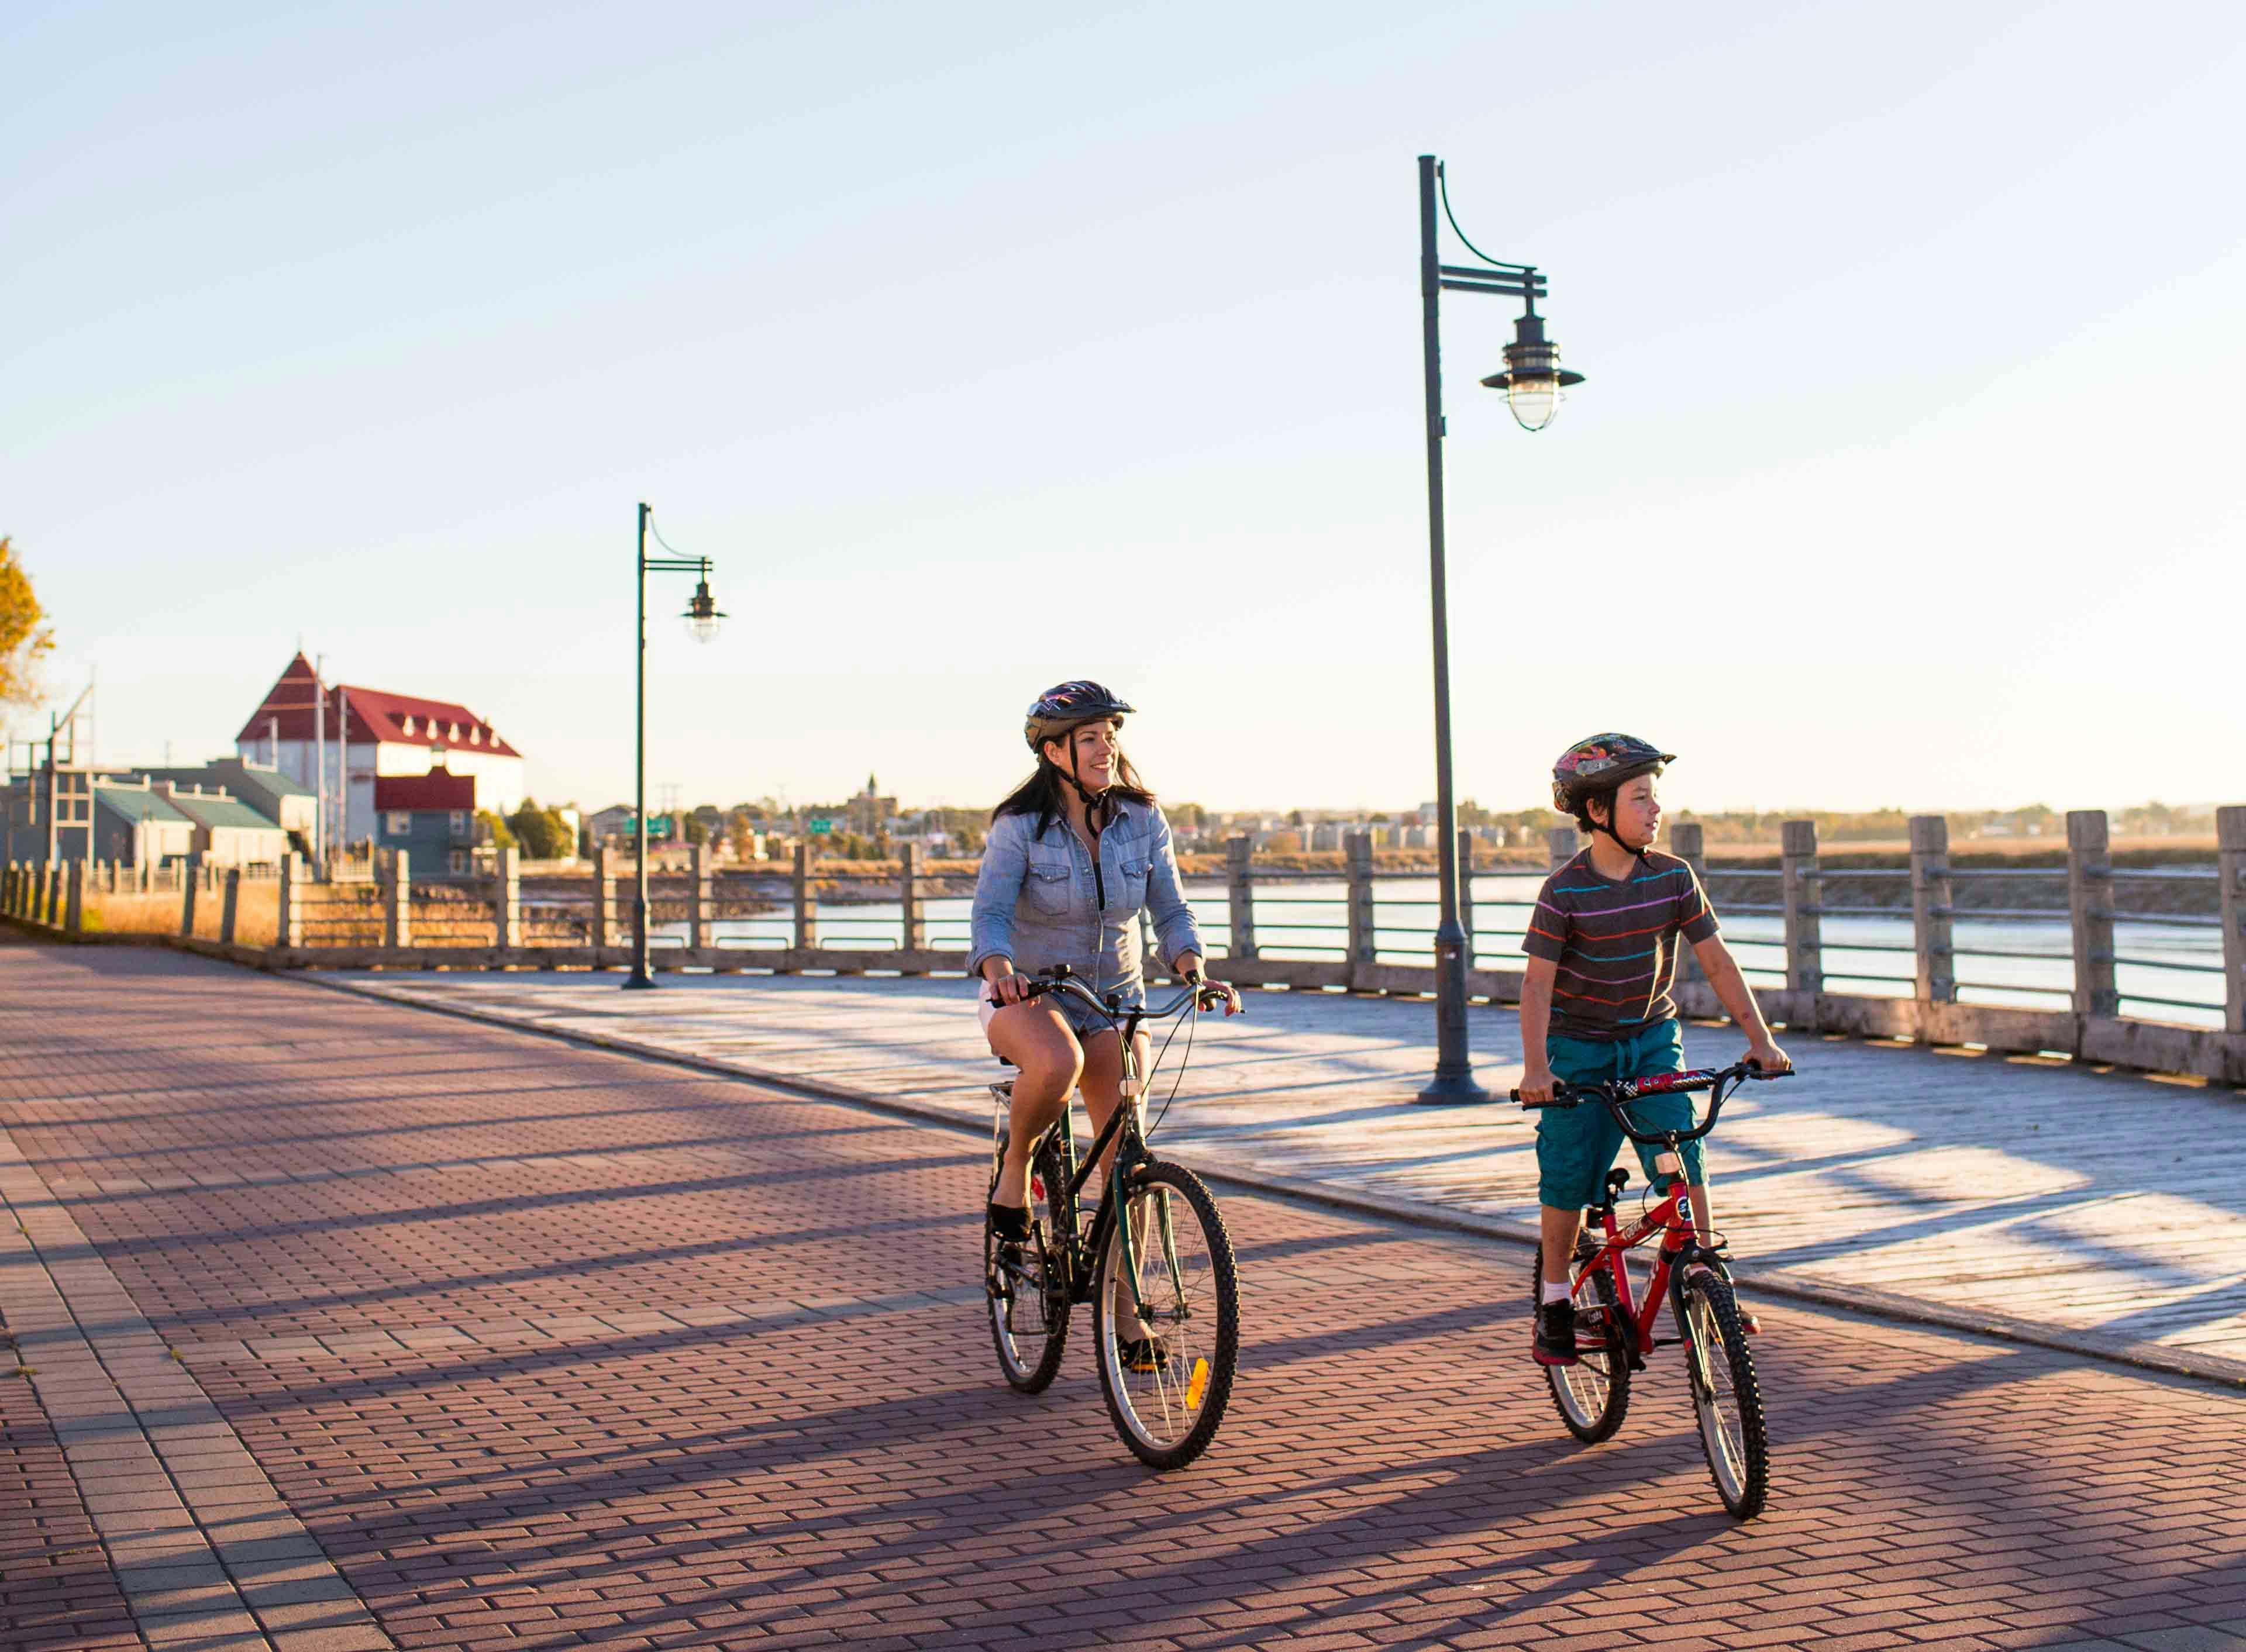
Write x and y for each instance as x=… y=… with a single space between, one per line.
x=1197 y=1385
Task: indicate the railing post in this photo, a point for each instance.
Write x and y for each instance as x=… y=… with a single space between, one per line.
x=2090 y=911
x=1363 y=951
x=604 y=896
x=8 y=889
x=288 y=929
x=190 y=875
x=398 y=900
x=2231 y=863
x=1688 y=842
x=1804 y=945
x=229 y=908
x=1465 y=890
x=806 y=919
x=697 y=895
x=1240 y=895
x=74 y=903
x=507 y=899
x=912 y=932
x=1930 y=906
x=1561 y=846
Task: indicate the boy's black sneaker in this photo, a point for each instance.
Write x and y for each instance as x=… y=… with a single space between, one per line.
x=1555 y=1334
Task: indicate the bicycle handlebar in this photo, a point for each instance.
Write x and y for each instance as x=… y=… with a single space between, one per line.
x=1618 y=1093
x=1199 y=990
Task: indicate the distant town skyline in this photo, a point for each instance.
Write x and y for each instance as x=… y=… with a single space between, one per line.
x=980 y=352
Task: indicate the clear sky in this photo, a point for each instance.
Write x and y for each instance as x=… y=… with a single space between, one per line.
x=985 y=346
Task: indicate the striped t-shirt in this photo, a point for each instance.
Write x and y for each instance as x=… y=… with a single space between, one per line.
x=1615 y=944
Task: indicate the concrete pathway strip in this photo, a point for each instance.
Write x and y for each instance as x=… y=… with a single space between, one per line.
x=204 y=1549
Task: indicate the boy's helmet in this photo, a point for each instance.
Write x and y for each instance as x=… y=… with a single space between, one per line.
x=1068 y=705
x=1601 y=763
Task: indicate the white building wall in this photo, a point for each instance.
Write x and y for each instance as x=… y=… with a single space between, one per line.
x=500 y=779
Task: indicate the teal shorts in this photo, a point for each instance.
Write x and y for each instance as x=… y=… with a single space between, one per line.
x=1575 y=1146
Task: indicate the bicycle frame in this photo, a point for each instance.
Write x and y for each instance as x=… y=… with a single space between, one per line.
x=1080 y=1248
x=1672 y=1218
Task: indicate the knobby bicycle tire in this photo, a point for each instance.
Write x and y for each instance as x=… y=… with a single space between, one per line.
x=1591 y=1395
x=1029 y=1318
x=1176 y=1408
x=1739 y=1457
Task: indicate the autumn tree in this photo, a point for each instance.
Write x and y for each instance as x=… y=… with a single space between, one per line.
x=23 y=642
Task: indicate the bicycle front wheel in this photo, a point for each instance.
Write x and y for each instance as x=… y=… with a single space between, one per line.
x=1026 y=1285
x=1167 y=1349
x=1725 y=1393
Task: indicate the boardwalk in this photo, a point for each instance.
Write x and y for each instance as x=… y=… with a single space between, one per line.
x=2014 y=1190
x=483 y=1340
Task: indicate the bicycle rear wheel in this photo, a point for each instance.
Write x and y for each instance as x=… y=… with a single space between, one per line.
x=1725 y=1393
x=1026 y=1285
x=1592 y=1395
x=1167 y=1380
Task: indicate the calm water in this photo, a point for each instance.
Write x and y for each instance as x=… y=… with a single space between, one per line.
x=1869 y=956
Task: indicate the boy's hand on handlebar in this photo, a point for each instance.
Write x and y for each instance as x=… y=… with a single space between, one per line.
x=1766 y=1054
x=1009 y=988
x=1537 y=1085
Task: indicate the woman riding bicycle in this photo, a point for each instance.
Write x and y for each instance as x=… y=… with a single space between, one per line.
x=1072 y=857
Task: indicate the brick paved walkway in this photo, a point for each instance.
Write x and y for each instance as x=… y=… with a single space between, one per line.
x=545 y=1345
x=2104 y=1209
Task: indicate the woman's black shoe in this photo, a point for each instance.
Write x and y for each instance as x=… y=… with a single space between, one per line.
x=1010 y=1222
x=1142 y=1353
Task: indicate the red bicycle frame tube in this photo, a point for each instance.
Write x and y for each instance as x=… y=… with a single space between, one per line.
x=1671 y=1217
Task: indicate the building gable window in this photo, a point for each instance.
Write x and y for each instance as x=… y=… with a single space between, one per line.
x=398 y=824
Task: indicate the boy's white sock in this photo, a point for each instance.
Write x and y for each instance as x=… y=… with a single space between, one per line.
x=1555 y=1293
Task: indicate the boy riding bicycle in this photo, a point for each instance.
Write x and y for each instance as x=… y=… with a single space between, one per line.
x=1603 y=946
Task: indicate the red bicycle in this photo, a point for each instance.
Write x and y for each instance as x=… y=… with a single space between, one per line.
x=1615 y=1328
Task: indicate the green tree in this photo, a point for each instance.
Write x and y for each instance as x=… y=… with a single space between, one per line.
x=23 y=642
x=503 y=837
x=542 y=833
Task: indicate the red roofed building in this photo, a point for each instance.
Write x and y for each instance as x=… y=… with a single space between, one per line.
x=366 y=736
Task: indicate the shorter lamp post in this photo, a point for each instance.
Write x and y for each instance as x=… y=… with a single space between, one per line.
x=701 y=616
x=1532 y=382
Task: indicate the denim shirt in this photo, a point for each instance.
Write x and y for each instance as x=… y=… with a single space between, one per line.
x=1035 y=899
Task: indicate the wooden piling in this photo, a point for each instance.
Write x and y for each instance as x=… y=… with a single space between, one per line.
x=1363 y=940
x=2230 y=864
x=1805 y=944
x=1931 y=904
x=1240 y=895
x=2090 y=912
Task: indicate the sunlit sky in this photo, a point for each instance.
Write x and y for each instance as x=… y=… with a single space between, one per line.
x=984 y=346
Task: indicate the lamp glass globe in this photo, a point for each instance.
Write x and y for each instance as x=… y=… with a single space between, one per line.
x=1534 y=400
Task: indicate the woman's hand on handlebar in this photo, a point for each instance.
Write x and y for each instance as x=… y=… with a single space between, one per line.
x=1207 y=994
x=1537 y=1085
x=1005 y=986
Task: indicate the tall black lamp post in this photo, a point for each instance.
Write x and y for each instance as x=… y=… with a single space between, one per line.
x=1532 y=381
x=701 y=616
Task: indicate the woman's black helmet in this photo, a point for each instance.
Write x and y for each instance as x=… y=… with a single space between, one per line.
x=1069 y=705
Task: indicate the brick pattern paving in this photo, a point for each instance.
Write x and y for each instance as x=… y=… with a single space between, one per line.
x=2038 y=1195
x=547 y=1346
x=56 y=1587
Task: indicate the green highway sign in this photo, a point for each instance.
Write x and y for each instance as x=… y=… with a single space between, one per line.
x=821 y=827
